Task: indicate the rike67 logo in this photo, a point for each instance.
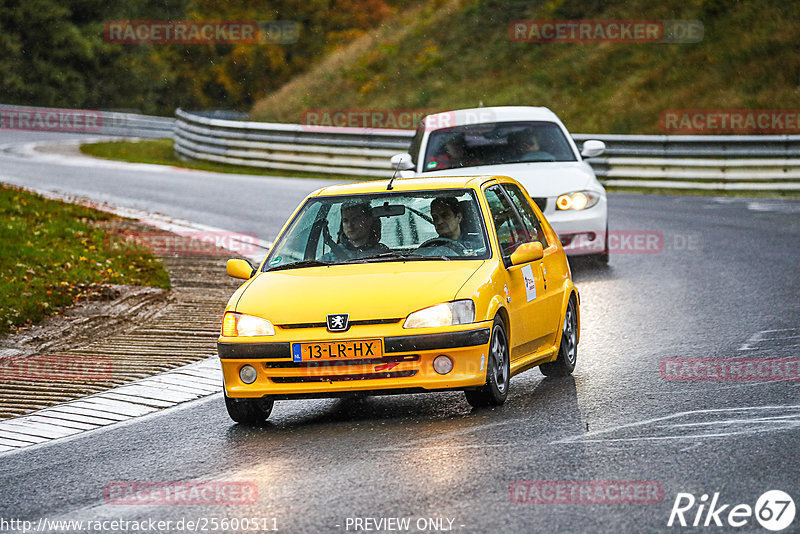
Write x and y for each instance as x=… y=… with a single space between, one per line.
x=774 y=510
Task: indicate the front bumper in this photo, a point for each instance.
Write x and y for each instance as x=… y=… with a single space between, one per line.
x=581 y=232
x=406 y=365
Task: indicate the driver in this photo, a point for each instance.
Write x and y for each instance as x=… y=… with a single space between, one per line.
x=359 y=233
x=447 y=217
x=527 y=148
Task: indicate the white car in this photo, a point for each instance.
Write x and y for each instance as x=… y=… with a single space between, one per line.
x=529 y=144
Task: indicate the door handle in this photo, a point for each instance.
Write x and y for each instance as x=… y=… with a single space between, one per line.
x=544 y=276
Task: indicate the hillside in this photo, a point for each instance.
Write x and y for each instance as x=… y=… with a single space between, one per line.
x=448 y=54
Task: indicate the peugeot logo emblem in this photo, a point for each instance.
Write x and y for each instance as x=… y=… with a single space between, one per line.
x=338 y=322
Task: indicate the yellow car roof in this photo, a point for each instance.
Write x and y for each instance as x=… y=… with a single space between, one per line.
x=409 y=184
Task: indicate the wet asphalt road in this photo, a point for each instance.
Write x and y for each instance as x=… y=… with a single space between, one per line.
x=723 y=285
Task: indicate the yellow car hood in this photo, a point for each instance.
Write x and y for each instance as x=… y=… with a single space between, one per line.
x=389 y=290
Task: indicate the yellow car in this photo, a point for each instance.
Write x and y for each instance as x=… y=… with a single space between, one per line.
x=385 y=287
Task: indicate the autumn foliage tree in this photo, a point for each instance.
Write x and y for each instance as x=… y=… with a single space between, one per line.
x=52 y=52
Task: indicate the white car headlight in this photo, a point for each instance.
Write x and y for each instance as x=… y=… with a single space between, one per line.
x=446 y=314
x=239 y=324
x=577 y=200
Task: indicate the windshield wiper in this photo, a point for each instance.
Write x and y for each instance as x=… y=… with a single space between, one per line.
x=299 y=264
x=395 y=256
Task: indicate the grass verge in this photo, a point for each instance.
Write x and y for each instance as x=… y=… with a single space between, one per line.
x=52 y=254
x=161 y=152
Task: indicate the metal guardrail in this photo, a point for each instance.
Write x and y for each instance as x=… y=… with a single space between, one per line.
x=113 y=123
x=288 y=146
x=754 y=162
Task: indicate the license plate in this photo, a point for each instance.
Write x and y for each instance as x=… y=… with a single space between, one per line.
x=336 y=350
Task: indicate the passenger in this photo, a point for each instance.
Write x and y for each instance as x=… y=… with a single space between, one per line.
x=359 y=234
x=454 y=154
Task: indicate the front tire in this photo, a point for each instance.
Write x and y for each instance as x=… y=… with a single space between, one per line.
x=249 y=411
x=498 y=371
x=568 y=349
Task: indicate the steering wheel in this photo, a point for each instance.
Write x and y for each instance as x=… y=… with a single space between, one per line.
x=452 y=244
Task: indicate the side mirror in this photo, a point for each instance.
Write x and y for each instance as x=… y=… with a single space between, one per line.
x=593 y=148
x=526 y=253
x=402 y=162
x=240 y=269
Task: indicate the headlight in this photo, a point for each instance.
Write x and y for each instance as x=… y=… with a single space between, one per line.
x=446 y=314
x=239 y=324
x=577 y=200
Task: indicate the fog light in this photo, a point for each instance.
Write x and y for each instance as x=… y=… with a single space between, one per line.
x=248 y=374
x=442 y=364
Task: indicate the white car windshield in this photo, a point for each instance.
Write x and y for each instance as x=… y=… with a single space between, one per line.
x=496 y=143
x=415 y=226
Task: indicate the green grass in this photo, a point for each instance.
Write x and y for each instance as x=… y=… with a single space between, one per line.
x=449 y=54
x=52 y=254
x=161 y=152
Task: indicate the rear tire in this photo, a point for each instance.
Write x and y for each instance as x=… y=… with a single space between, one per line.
x=498 y=371
x=568 y=349
x=249 y=411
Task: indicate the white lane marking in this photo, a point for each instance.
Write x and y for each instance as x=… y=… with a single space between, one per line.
x=117 y=407
x=61 y=422
x=760 y=336
x=38 y=429
x=190 y=387
x=98 y=421
x=139 y=400
x=775 y=206
x=173 y=387
x=87 y=408
x=21 y=436
x=155 y=391
x=13 y=442
x=143 y=398
x=749 y=424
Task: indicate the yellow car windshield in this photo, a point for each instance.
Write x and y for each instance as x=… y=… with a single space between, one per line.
x=377 y=227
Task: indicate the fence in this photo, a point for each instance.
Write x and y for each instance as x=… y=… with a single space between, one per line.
x=755 y=162
x=74 y=121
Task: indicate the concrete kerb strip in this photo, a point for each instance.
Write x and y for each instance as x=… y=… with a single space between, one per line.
x=104 y=410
